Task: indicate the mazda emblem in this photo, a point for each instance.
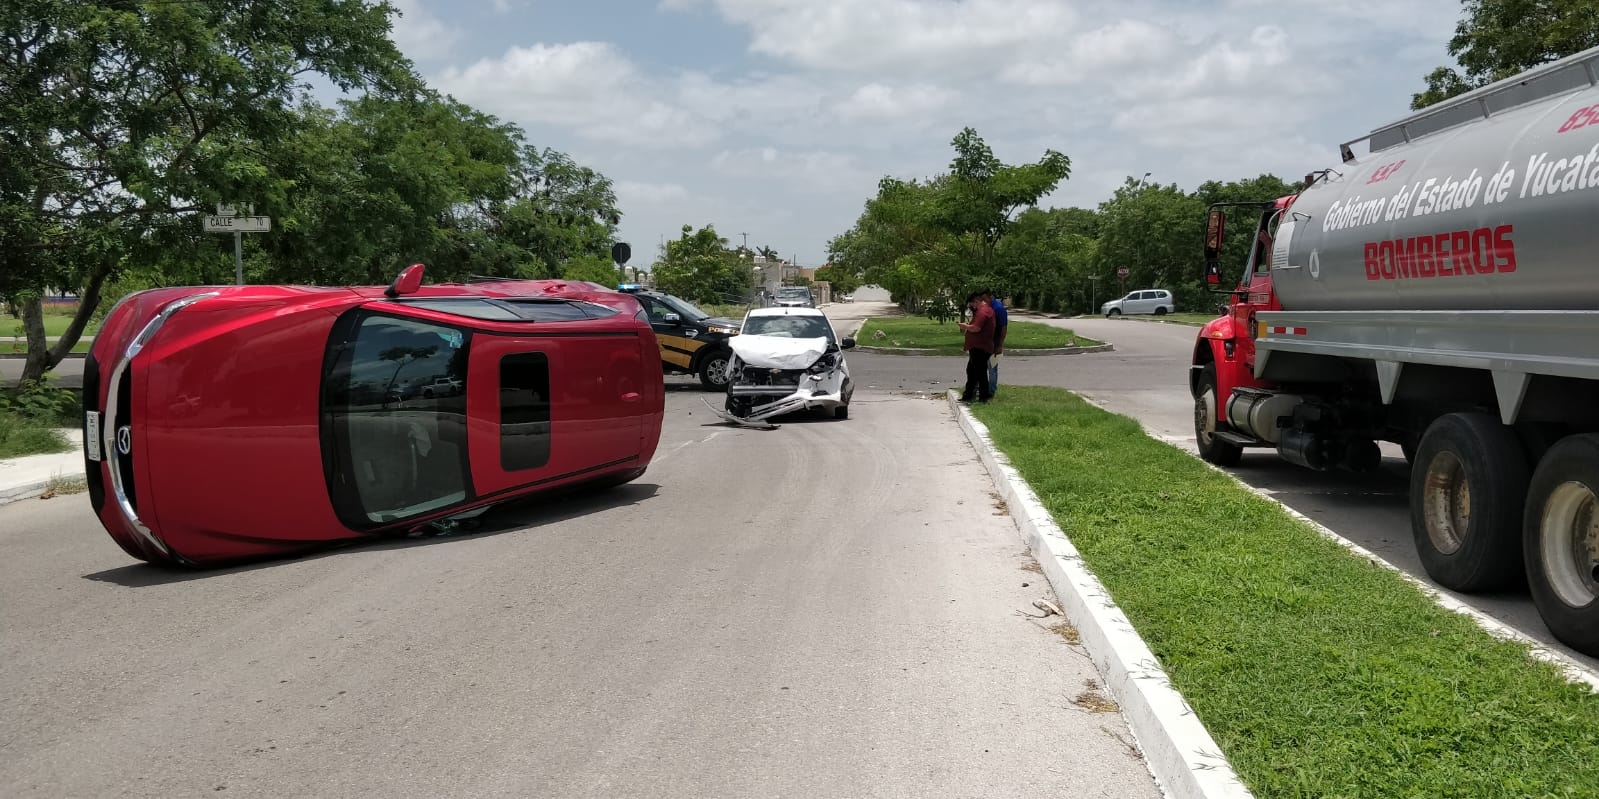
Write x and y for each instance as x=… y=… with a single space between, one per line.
x=124 y=440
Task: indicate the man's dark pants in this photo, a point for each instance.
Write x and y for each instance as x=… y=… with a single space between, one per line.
x=976 y=376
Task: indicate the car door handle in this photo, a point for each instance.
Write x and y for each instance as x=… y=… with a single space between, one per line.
x=631 y=396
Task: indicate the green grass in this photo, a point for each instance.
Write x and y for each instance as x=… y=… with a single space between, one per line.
x=921 y=333
x=1319 y=674
x=55 y=324
x=20 y=435
x=1198 y=319
x=22 y=346
x=734 y=312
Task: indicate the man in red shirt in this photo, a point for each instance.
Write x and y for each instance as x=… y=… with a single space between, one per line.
x=979 y=348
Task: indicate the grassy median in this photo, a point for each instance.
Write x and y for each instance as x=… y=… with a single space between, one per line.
x=922 y=333
x=1318 y=673
x=21 y=435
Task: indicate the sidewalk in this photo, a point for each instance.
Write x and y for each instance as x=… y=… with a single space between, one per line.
x=28 y=477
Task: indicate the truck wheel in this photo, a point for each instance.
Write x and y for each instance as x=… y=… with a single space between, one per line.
x=1212 y=449
x=1468 y=487
x=713 y=371
x=1561 y=541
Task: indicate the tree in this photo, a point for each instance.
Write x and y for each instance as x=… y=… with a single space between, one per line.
x=1047 y=260
x=1154 y=231
x=592 y=268
x=386 y=183
x=929 y=242
x=841 y=281
x=1500 y=38
x=982 y=194
x=559 y=210
x=699 y=266
x=122 y=116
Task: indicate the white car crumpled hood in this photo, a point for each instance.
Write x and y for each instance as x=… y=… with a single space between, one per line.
x=778 y=352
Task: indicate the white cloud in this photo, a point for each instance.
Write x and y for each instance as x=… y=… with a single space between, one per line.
x=420 y=35
x=877 y=102
x=815 y=169
x=829 y=96
x=895 y=36
x=630 y=193
x=586 y=86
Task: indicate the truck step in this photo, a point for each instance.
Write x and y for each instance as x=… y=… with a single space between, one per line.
x=1239 y=439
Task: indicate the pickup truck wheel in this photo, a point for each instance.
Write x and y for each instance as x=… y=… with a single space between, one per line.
x=713 y=371
x=1468 y=487
x=1561 y=541
x=1212 y=449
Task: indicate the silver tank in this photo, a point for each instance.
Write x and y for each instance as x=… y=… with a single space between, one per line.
x=1481 y=213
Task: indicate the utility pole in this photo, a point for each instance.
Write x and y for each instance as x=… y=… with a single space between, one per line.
x=746 y=241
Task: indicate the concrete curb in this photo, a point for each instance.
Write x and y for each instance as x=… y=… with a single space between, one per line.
x=17 y=493
x=1178 y=750
x=1017 y=353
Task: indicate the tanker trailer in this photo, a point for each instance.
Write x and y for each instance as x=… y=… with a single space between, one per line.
x=1440 y=292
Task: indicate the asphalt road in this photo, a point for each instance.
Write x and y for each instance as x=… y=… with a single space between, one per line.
x=826 y=609
x=68 y=373
x=1146 y=377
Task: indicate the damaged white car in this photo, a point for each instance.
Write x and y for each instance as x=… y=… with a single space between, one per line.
x=787 y=360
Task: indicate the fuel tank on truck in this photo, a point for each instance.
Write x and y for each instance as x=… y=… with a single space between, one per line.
x=1489 y=201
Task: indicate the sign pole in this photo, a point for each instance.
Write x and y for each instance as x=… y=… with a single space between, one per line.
x=620 y=252
x=228 y=220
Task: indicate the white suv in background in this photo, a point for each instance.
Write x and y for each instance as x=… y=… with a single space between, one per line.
x=1156 y=301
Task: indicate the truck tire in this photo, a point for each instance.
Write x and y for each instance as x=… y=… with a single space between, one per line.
x=713 y=370
x=1468 y=487
x=1560 y=542
x=1213 y=450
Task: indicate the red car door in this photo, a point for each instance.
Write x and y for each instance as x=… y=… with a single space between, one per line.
x=546 y=407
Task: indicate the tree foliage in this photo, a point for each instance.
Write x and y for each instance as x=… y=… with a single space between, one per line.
x=126 y=121
x=120 y=116
x=930 y=241
x=1499 y=38
x=699 y=266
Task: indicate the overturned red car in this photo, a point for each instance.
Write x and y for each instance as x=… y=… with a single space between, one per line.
x=224 y=424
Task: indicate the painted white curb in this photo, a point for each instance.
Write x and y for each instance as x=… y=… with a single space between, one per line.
x=1573 y=670
x=1177 y=748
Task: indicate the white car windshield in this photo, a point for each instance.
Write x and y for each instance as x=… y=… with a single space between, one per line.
x=789 y=327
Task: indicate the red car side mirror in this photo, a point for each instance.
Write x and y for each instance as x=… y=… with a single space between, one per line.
x=409 y=280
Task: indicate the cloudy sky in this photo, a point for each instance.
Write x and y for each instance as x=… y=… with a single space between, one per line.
x=776 y=118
